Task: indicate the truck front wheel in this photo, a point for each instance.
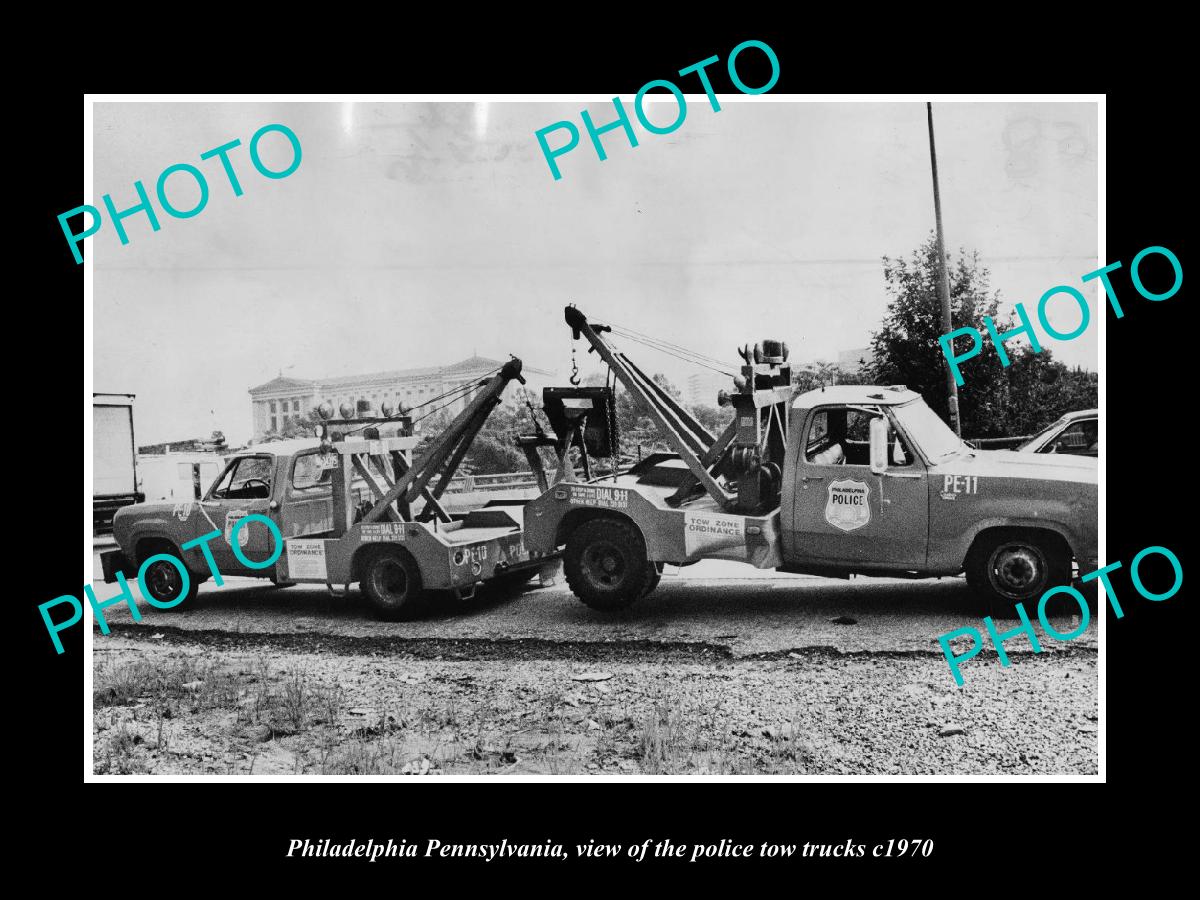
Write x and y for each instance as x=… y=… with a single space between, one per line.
x=392 y=582
x=606 y=566
x=165 y=584
x=1017 y=567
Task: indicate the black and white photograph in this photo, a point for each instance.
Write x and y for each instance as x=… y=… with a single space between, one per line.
x=682 y=435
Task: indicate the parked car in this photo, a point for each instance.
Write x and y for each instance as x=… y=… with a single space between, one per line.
x=1076 y=433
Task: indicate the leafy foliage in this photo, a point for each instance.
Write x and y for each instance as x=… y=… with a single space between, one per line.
x=1031 y=392
x=819 y=374
x=494 y=449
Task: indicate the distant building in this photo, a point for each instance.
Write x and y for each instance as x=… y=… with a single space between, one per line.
x=702 y=388
x=273 y=404
x=853 y=360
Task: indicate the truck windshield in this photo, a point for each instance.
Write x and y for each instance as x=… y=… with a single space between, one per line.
x=1043 y=433
x=246 y=478
x=928 y=431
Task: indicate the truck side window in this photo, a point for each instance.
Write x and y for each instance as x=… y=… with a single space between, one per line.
x=1079 y=439
x=825 y=443
x=247 y=478
x=308 y=474
x=818 y=444
x=841 y=435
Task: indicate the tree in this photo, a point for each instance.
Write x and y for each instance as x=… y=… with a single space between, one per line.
x=818 y=374
x=639 y=434
x=714 y=418
x=494 y=450
x=428 y=430
x=994 y=401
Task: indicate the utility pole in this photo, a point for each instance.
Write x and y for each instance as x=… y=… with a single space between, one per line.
x=943 y=279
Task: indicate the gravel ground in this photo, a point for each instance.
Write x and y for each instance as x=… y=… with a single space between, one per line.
x=722 y=670
x=258 y=709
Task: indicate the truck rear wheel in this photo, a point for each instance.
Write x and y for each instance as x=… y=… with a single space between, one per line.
x=391 y=580
x=606 y=566
x=1017 y=567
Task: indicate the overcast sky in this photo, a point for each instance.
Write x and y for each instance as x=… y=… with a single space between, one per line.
x=416 y=234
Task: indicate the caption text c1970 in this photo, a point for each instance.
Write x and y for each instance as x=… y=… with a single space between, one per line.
x=636 y=851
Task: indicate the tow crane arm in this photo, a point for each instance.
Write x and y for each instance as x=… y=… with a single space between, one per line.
x=407 y=481
x=748 y=453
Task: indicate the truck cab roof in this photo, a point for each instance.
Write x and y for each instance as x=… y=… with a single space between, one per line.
x=287 y=447
x=865 y=394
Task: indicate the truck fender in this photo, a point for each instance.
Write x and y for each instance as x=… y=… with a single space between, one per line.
x=359 y=559
x=581 y=514
x=144 y=534
x=1032 y=524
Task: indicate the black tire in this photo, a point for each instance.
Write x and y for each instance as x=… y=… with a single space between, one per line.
x=391 y=581
x=164 y=583
x=1013 y=567
x=605 y=564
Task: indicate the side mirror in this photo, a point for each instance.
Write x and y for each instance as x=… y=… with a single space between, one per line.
x=879 y=444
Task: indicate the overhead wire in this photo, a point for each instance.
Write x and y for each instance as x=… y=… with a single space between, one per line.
x=451 y=396
x=449 y=401
x=695 y=354
x=682 y=354
x=469 y=383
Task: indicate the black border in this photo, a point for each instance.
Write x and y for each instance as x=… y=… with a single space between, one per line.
x=1148 y=503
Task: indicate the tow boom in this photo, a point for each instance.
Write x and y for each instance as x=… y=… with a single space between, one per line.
x=404 y=482
x=748 y=455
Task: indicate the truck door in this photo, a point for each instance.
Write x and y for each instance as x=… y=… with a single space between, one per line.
x=848 y=517
x=308 y=507
x=245 y=487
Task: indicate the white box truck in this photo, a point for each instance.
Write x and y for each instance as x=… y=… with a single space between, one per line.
x=114 y=458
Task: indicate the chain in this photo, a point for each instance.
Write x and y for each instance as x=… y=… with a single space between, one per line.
x=612 y=424
x=574 y=379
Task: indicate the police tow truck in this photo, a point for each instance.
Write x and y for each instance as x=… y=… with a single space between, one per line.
x=838 y=481
x=398 y=544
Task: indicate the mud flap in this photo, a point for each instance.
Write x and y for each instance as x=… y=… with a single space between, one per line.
x=114 y=561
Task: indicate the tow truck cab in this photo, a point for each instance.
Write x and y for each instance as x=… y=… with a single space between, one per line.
x=282 y=480
x=351 y=507
x=926 y=499
x=841 y=480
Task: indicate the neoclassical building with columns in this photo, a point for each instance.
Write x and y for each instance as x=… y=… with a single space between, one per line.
x=282 y=398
